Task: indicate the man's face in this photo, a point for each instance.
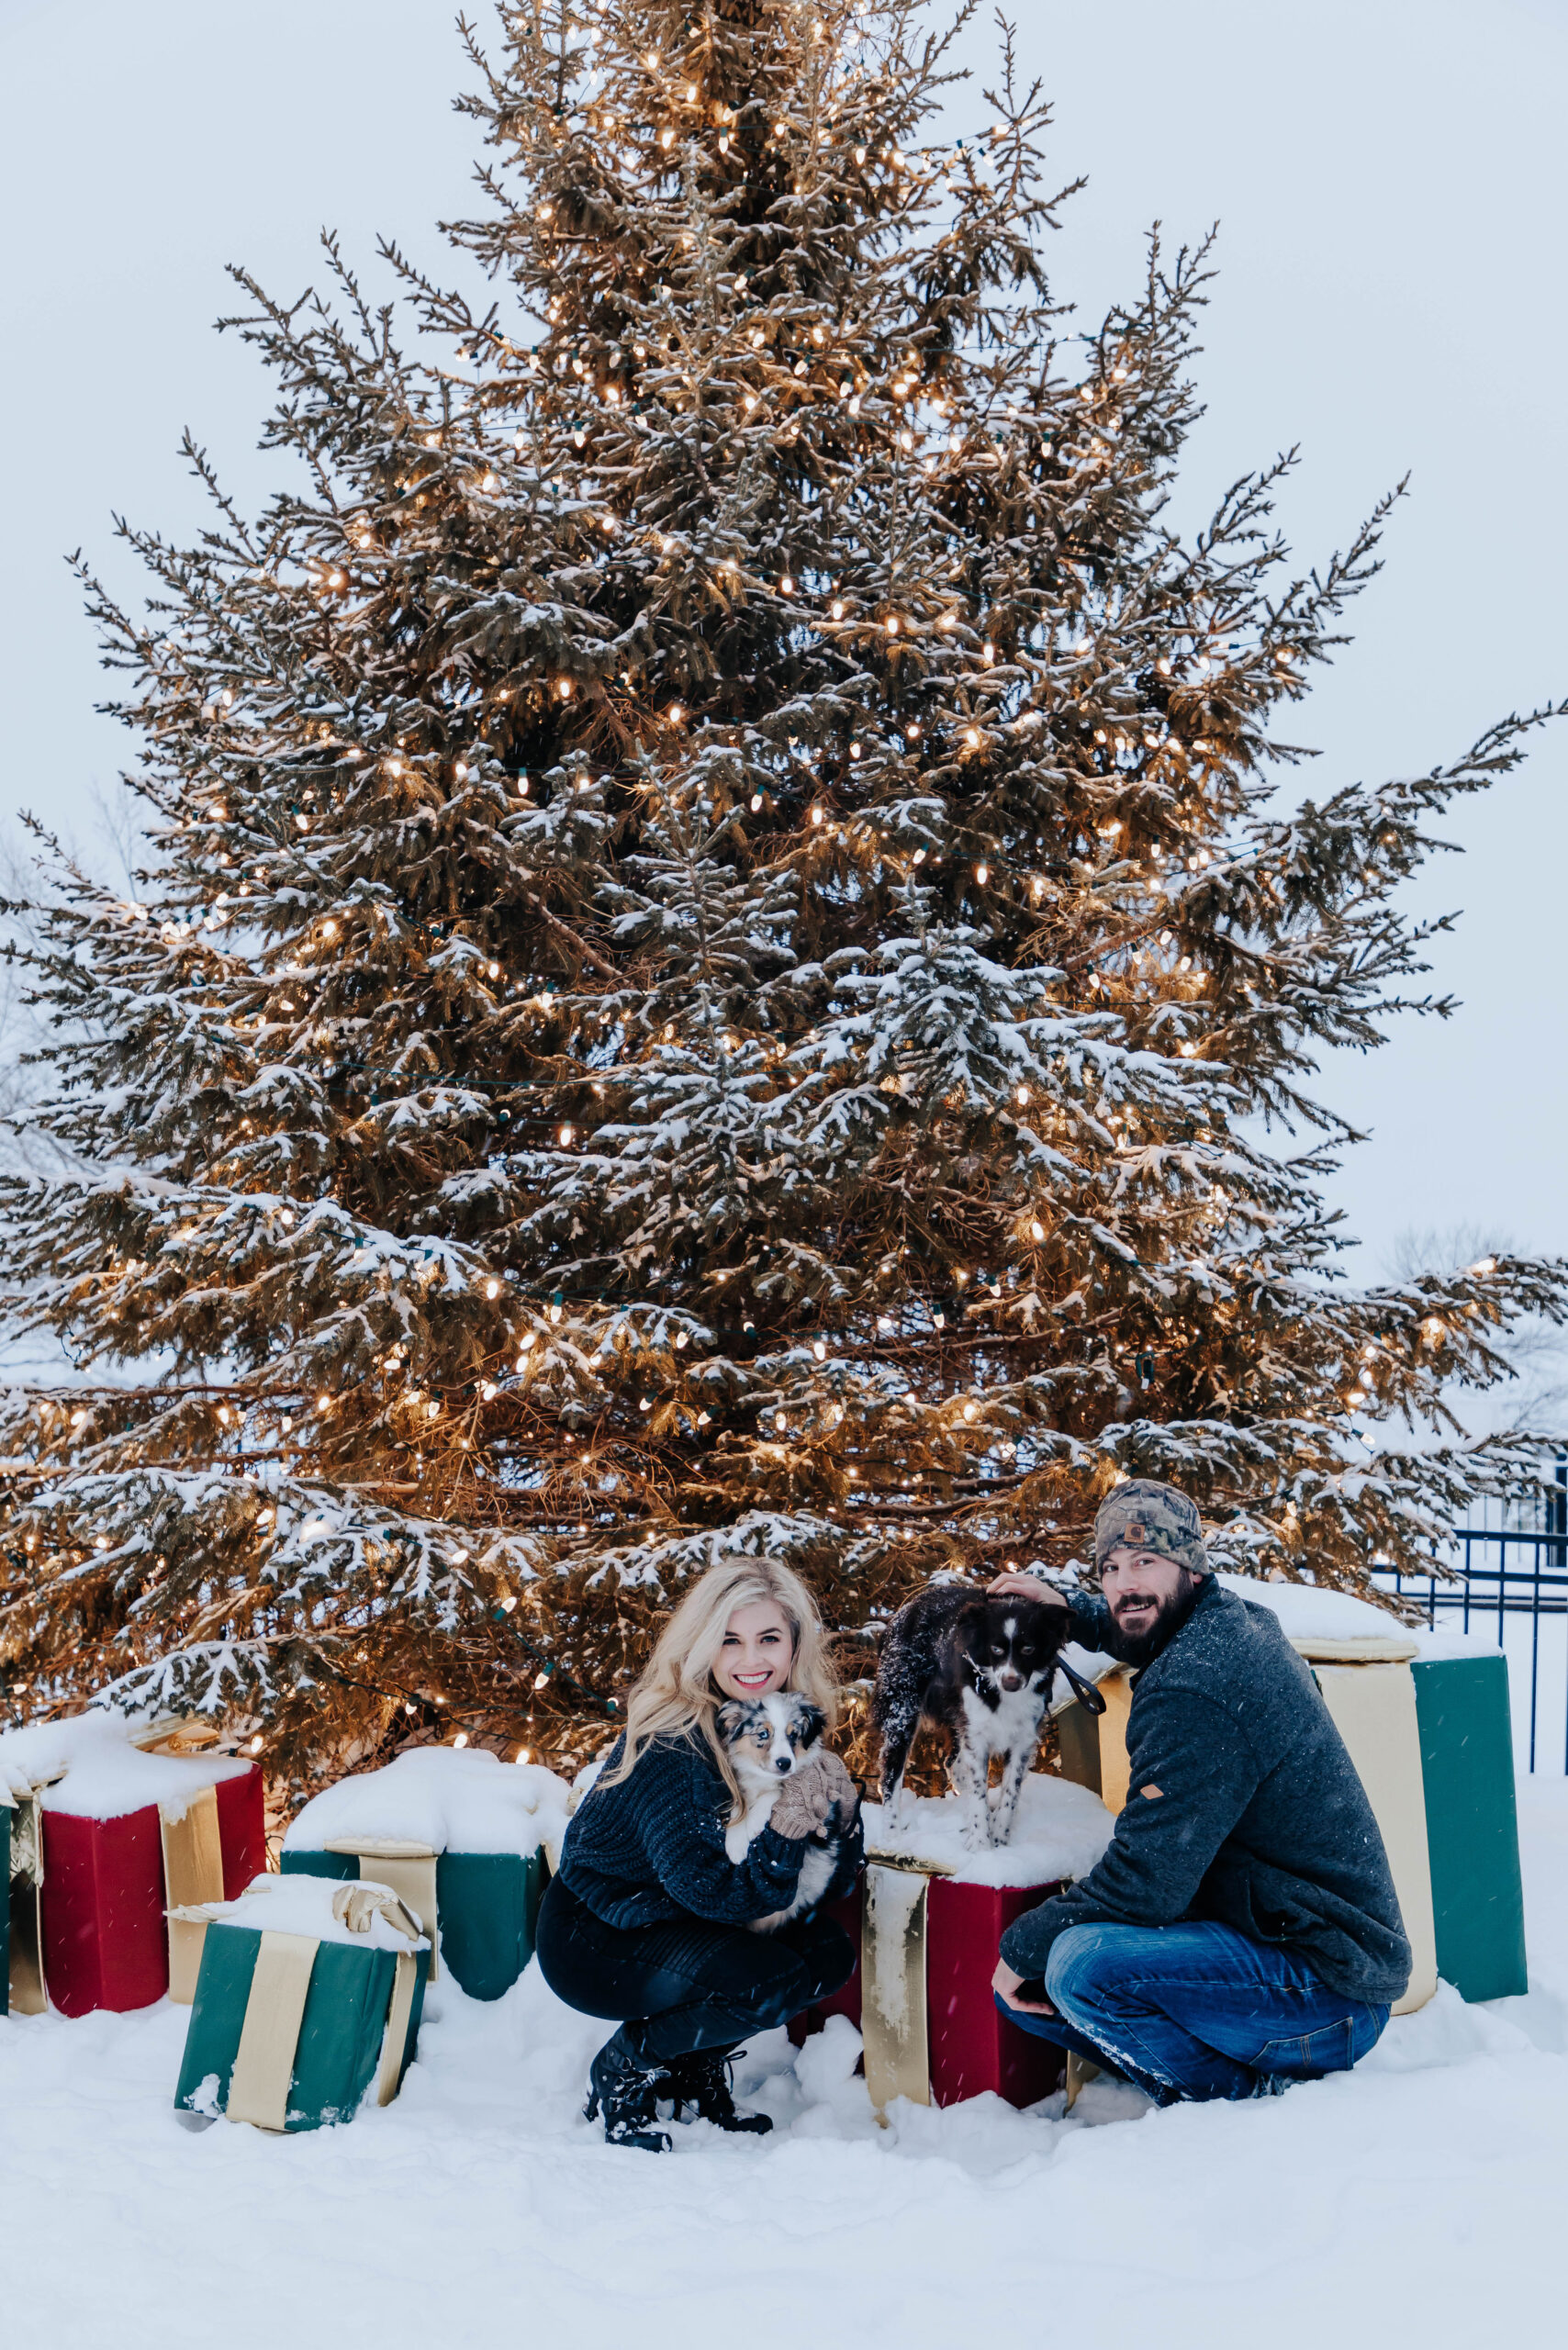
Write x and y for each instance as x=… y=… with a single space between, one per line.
x=1148 y=1595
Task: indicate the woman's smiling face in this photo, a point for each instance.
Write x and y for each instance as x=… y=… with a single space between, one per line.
x=756 y=1651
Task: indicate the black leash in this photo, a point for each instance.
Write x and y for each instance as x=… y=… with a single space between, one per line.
x=1085 y=1691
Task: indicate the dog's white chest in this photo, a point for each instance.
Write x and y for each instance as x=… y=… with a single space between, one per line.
x=738 y=1838
x=1015 y=1721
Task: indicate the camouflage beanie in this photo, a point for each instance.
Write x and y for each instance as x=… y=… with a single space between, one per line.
x=1147 y=1516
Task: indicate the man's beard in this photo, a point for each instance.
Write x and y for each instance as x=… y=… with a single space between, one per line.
x=1141 y=1647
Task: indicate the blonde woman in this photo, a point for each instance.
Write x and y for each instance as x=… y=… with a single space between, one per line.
x=646 y=1922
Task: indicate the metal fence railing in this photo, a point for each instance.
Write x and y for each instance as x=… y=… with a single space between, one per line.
x=1512 y=1584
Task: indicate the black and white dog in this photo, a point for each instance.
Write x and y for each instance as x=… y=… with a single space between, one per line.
x=981 y=1669
x=766 y=1739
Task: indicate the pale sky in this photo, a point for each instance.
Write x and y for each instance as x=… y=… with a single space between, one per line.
x=1390 y=178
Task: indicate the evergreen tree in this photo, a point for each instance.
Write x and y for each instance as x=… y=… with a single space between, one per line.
x=717 y=964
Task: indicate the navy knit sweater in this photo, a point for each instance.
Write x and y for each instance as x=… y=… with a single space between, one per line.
x=1242 y=1805
x=652 y=1847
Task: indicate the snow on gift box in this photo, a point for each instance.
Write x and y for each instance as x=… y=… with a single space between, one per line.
x=927 y=1919
x=133 y=1818
x=1426 y=1726
x=460 y=1835
x=309 y=1994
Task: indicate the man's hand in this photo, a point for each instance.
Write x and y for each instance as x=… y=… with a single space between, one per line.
x=1005 y=1983
x=1013 y=1586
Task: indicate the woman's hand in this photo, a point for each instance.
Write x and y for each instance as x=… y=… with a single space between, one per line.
x=806 y=1799
x=842 y=1790
x=1005 y=1983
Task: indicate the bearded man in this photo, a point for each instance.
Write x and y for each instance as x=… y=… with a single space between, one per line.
x=1242 y=1930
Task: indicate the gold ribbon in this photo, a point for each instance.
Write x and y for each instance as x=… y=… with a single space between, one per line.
x=264 y=2063
x=176 y=1734
x=357 y=1906
x=1373 y=1710
x=407 y=1868
x=24 y=1841
x=1117 y=1691
x=396 y=2032
x=193 y=1874
x=892 y=1984
x=1373 y=1648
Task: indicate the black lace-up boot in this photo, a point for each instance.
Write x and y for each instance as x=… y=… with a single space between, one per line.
x=626 y=2086
x=702 y=2081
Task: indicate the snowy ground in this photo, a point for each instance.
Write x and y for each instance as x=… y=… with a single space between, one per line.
x=1419 y=2200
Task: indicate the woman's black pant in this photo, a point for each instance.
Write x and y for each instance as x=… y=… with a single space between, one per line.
x=688 y=1984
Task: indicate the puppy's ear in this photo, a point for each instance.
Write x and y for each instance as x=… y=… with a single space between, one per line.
x=812 y=1721
x=729 y=1717
x=1048 y=1626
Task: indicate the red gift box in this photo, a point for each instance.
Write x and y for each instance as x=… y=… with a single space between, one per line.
x=932 y=2030
x=106 y=1885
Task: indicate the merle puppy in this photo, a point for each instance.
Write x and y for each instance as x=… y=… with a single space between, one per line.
x=981 y=1668
x=767 y=1739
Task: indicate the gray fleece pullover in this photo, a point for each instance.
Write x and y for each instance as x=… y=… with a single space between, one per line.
x=1242 y=1805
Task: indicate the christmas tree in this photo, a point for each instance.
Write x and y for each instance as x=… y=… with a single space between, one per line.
x=717 y=964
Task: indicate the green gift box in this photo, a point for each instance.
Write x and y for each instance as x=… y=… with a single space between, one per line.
x=1473 y=1838
x=21 y=1882
x=480 y=1908
x=459 y=1836
x=307 y=2000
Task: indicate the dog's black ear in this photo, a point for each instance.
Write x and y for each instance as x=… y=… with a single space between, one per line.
x=729 y=1717
x=813 y=1721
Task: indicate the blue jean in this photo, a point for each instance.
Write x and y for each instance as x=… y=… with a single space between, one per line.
x=1198 y=2010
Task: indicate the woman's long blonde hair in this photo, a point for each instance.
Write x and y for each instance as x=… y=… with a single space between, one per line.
x=677 y=1692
